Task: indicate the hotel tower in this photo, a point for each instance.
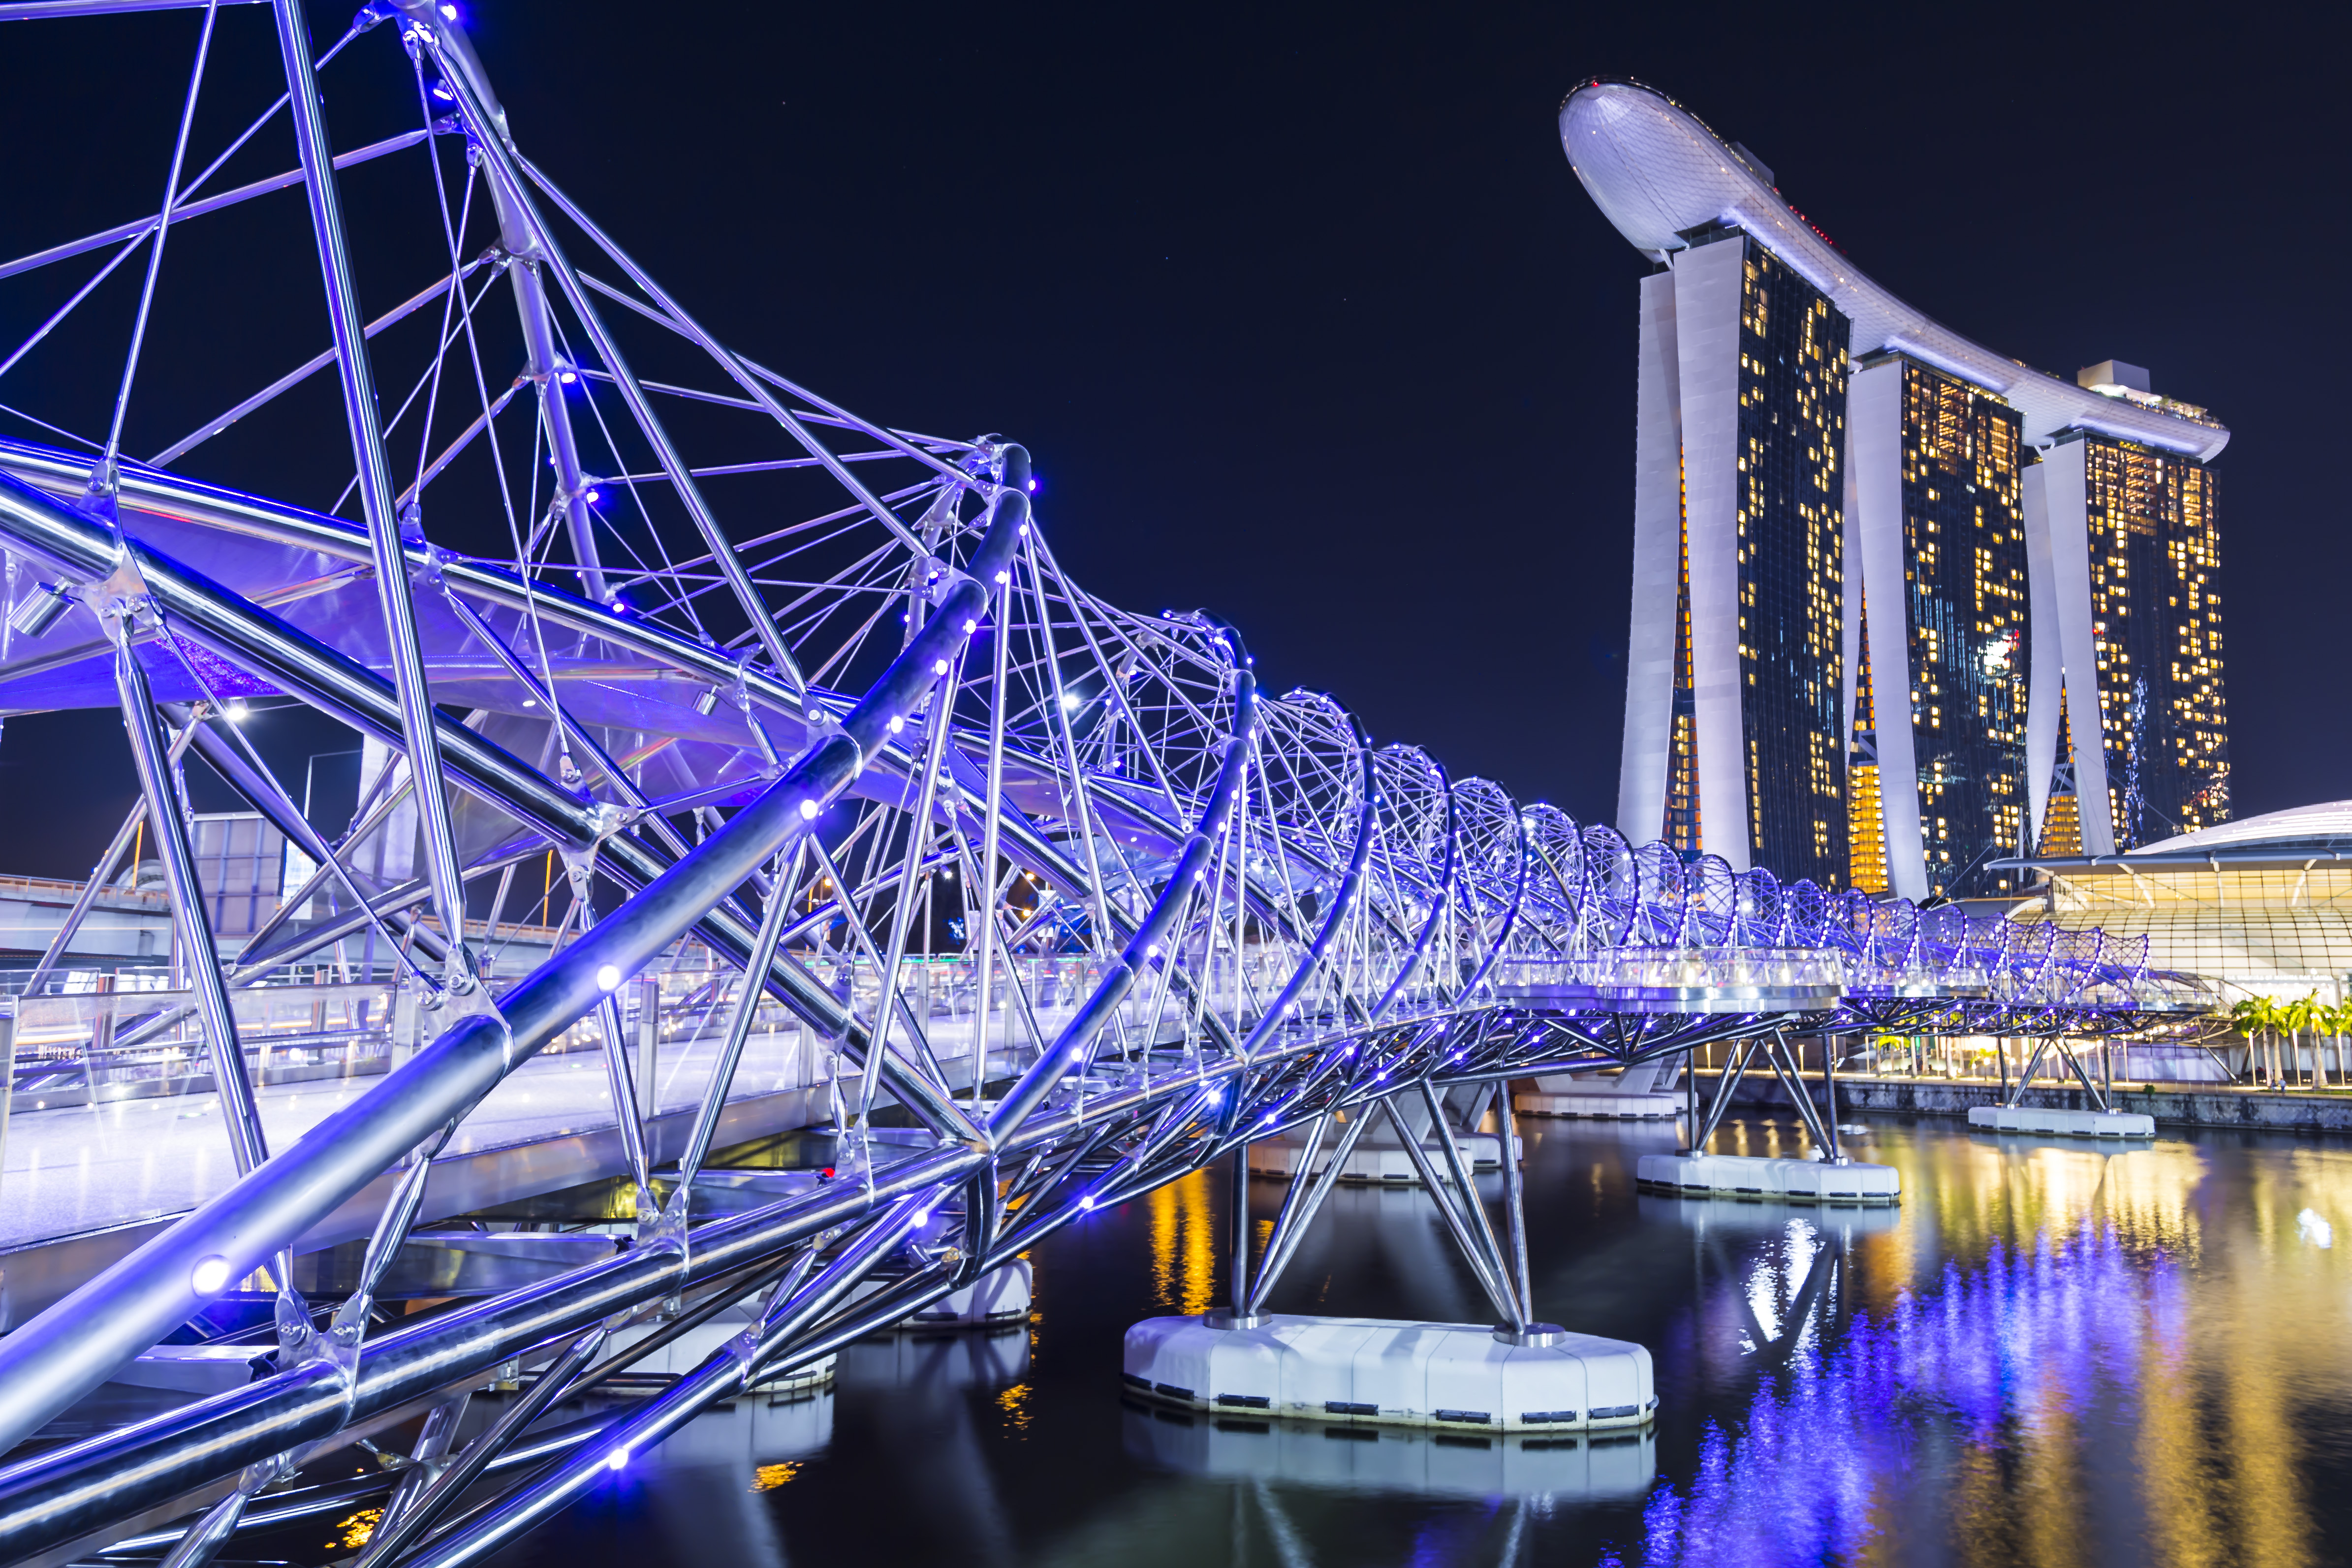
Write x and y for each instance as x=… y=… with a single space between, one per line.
x=1902 y=608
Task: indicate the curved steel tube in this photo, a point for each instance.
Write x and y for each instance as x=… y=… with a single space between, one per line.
x=1137 y=769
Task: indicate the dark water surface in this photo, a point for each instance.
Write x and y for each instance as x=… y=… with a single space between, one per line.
x=2052 y=1353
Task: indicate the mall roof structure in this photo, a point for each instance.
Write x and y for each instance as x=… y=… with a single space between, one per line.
x=2263 y=904
x=2303 y=835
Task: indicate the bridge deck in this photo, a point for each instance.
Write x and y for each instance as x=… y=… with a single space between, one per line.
x=84 y=1186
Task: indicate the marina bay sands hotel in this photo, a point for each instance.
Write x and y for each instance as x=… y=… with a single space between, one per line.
x=1903 y=606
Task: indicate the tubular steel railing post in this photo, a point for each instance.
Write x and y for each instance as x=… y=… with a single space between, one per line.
x=1515 y=1200
x=1316 y=1186
x=192 y=927
x=376 y=492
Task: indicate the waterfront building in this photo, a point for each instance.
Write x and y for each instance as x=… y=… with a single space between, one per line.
x=1737 y=548
x=1944 y=568
x=2134 y=609
x=2262 y=905
x=1872 y=590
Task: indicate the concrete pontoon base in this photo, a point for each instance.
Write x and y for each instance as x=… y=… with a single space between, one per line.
x=1460 y=1377
x=691 y=1348
x=1601 y=1106
x=1380 y=1156
x=2065 y=1123
x=1230 y=1447
x=1375 y=1158
x=1749 y=1175
x=999 y=1297
x=1636 y=1094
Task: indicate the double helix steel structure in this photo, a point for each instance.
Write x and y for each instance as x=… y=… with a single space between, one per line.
x=764 y=675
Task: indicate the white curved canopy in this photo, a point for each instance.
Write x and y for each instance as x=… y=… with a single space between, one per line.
x=1657 y=171
x=2301 y=824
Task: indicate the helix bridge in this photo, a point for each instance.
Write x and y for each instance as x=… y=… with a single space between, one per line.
x=745 y=672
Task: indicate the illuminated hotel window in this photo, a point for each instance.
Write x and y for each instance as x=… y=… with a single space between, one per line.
x=2155 y=610
x=1966 y=631
x=1792 y=518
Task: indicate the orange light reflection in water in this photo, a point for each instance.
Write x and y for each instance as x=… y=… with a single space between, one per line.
x=1183 y=1244
x=2091 y=1354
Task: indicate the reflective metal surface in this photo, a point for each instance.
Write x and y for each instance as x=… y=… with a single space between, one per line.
x=829 y=716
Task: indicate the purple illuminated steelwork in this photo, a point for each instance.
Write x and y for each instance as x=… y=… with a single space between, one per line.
x=1192 y=915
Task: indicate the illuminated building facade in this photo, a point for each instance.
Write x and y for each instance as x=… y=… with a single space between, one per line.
x=1942 y=605
x=2263 y=904
x=1737 y=746
x=2134 y=599
x=1871 y=589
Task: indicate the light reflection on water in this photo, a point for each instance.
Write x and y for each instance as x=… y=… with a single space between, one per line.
x=2053 y=1353
x=2057 y=1354
x=1184 y=1241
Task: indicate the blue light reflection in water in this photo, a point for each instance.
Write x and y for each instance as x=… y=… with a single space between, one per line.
x=2026 y=1339
x=2051 y=1354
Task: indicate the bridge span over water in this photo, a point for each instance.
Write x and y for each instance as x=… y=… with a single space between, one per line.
x=1042 y=902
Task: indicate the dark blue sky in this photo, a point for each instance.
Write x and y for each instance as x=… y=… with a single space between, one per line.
x=1306 y=322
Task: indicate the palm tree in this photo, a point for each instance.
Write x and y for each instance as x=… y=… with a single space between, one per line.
x=2296 y=1016
x=2252 y=1016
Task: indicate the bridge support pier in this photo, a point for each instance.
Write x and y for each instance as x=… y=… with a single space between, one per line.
x=1517 y=1377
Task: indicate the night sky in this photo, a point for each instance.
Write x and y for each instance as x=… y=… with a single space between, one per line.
x=1306 y=322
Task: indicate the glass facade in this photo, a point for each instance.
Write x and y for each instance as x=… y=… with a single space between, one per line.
x=1865 y=827
x=1964 y=546
x=1682 y=745
x=2272 y=929
x=1818 y=793
x=1791 y=530
x=2156 y=613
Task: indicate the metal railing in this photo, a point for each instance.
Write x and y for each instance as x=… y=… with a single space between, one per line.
x=98 y=1037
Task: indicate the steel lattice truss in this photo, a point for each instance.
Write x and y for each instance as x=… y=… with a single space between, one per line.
x=772 y=671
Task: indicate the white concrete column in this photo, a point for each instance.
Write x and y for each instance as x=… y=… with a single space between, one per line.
x=1708 y=288
x=1874 y=428
x=1657 y=570
x=2066 y=489
x=1850 y=606
x=2043 y=668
